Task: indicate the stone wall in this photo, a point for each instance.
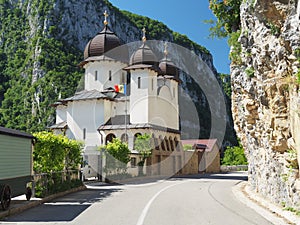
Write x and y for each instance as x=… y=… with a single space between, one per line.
x=266 y=97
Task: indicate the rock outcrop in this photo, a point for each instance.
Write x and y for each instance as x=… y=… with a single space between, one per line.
x=266 y=96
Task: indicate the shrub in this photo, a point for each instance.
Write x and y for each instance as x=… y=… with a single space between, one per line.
x=236 y=48
x=117 y=156
x=234 y=156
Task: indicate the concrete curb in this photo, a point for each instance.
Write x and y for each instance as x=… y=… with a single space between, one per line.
x=272 y=212
x=30 y=204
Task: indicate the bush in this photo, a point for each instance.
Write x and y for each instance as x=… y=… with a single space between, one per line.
x=48 y=184
x=117 y=156
x=234 y=156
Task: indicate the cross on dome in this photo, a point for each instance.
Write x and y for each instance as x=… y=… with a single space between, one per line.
x=166 y=48
x=144 y=35
x=105 y=17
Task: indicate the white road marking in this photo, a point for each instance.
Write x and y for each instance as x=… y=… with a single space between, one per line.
x=145 y=210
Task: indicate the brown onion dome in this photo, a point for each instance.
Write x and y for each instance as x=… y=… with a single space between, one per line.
x=144 y=55
x=167 y=67
x=103 y=42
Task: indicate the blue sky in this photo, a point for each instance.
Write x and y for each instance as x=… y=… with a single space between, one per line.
x=185 y=17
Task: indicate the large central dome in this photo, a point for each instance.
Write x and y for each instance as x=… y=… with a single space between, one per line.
x=103 y=42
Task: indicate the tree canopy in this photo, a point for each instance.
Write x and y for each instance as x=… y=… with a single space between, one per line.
x=234 y=156
x=228 y=17
x=54 y=153
x=143 y=145
x=117 y=156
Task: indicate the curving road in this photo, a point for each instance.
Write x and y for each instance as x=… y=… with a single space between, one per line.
x=193 y=200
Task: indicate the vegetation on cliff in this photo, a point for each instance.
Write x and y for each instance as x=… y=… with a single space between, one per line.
x=228 y=24
x=35 y=67
x=228 y=17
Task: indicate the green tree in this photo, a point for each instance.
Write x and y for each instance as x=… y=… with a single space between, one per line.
x=117 y=156
x=234 y=156
x=144 y=146
x=54 y=153
x=228 y=17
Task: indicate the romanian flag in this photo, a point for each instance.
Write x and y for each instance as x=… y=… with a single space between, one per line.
x=120 y=88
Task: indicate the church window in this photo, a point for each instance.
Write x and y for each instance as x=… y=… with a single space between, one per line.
x=177 y=145
x=139 y=82
x=128 y=77
x=96 y=75
x=135 y=137
x=124 y=138
x=84 y=134
x=109 y=75
x=156 y=145
x=162 y=143
x=133 y=162
x=171 y=143
x=109 y=138
x=167 y=144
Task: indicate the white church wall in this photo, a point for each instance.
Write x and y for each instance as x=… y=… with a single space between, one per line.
x=61 y=114
x=83 y=118
x=103 y=74
x=139 y=96
x=121 y=106
x=163 y=111
x=108 y=110
x=152 y=81
x=174 y=90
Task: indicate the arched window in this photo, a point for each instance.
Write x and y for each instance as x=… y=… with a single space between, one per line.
x=167 y=144
x=155 y=142
x=109 y=75
x=124 y=138
x=177 y=147
x=162 y=143
x=171 y=144
x=109 y=138
x=134 y=138
x=139 y=82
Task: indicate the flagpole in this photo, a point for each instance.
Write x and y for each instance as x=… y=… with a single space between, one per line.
x=125 y=92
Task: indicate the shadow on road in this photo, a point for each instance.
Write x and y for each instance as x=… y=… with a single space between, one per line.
x=219 y=176
x=66 y=208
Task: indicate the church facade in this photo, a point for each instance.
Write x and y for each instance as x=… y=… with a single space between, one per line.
x=125 y=96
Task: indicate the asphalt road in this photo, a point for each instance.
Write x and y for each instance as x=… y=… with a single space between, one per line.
x=196 y=200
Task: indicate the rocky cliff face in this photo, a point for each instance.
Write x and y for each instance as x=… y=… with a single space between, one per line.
x=266 y=96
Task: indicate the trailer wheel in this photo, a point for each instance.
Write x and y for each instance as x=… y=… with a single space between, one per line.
x=28 y=193
x=5 y=196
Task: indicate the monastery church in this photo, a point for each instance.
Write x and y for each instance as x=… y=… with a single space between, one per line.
x=123 y=100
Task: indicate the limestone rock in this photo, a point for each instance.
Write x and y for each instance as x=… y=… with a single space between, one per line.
x=266 y=107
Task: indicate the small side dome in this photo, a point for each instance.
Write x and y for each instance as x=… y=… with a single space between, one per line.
x=144 y=55
x=167 y=67
x=103 y=42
